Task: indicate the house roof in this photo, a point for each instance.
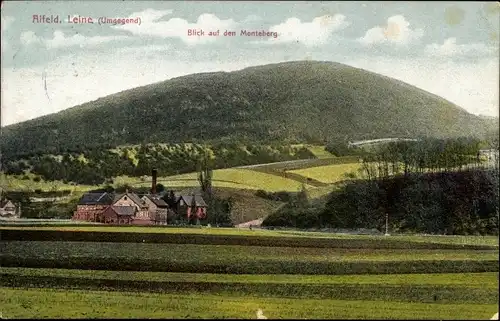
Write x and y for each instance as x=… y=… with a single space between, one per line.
x=188 y=199
x=124 y=210
x=4 y=202
x=134 y=197
x=95 y=199
x=157 y=200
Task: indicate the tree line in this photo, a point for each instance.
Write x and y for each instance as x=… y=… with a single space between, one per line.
x=437 y=186
x=98 y=166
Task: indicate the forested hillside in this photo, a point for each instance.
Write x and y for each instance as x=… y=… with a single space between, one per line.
x=304 y=101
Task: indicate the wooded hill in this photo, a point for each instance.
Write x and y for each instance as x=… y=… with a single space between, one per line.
x=303 y=101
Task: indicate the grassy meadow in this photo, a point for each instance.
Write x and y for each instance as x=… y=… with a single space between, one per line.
x=54 y=303
x=328 y=174
x=16 y=183
x=232 y=177
x=62 y=279
x=443 y=239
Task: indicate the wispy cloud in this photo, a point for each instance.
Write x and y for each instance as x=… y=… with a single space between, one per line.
x=450 y=47
x=397 y=31
x=60 y=40
x=314 y=33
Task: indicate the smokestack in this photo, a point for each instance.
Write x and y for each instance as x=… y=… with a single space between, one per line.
x=154 y=174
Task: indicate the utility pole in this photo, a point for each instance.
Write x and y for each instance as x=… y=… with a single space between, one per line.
x=386 y=224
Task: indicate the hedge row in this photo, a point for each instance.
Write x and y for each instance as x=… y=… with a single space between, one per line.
x=213 y=239
x=252 y=266
x=406 y=293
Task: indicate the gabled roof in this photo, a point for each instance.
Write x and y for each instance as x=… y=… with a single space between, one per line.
x=134 y=197
x=157 y=200
x=188 y=199
x=95 y=199
x=123 y=210
x=4 y=202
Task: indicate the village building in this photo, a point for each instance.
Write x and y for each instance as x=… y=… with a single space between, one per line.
x=91 y=206
x=130 y=208
x=119 y=214
x=8 y=209
x=157 y=207
x=191 y=205
x=131 y=199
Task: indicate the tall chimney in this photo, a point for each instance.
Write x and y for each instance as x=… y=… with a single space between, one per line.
x=154 y=174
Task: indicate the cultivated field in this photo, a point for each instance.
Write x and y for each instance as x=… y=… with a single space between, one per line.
x=328 y=174
x=231 y=177
x=224 y=273
x=444 y=239
x=54 y=303
x=319 y=151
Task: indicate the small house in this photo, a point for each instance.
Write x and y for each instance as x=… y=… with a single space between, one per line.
x=119 y=214
x=132 y=199
x=157 y=207
x=91 y=206
x=192 y=205
x=8 y=209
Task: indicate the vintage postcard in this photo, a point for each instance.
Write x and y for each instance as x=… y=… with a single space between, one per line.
x=253 y=159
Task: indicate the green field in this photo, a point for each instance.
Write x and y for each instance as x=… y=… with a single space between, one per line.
x=488 y=280
x=14 y=183
x=328 y=174
x=49 y=303
x=319 y=151
x=229 y=254
x=351 y=256
x=445 y=239
x=231 y=177
x=354 y=277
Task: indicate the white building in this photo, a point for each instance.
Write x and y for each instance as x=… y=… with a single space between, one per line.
x=8 y=209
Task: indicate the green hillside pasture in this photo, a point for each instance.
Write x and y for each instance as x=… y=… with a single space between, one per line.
x=229 y=178
x=328 y=174
x=52 y=303
x=235 y=259
x=246 y=205
x=303 y=164
x=15 y=183
x=287 y=170
x=319 y=151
